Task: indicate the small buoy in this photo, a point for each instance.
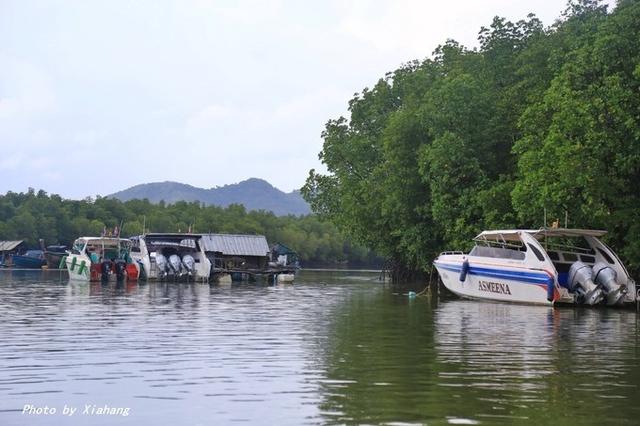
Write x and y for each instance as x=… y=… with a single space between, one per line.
x=464 y=270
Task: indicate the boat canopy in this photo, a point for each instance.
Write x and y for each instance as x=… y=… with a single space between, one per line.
x=172 y=235
x=513 y=234
x=96 y=241
x=172 y=239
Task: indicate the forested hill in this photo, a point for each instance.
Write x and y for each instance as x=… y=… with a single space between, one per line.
x=537 y=118
x=254 y=194
x=37 y=215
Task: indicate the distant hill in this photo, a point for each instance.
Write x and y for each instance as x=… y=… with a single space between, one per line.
x=254 y=194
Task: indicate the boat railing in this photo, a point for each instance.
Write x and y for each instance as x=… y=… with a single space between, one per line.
x=567 y=247
x=451 y=252
x=500 y=244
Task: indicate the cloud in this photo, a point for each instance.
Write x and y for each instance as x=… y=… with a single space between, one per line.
x=416 y=27
x=25 y=89
x=203 y=91
x=208 y=115
x=11 y=162
x=404 y=25
x=274 y=142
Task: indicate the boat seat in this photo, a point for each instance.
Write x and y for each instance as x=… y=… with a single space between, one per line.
x=499 y=252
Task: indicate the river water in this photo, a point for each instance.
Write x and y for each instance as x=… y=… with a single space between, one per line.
x=333 y=348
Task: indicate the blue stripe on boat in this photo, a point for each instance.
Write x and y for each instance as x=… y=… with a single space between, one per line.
x=521 y=276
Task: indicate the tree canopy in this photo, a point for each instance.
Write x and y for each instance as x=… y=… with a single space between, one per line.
x=536 y=119
x=35 y=215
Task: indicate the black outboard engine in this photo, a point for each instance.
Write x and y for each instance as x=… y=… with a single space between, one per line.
x=121 y=269
x=581 y=282
x=604 y=275
x=105 y=267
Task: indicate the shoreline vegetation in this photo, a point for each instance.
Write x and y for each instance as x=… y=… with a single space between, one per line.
x=34 y=215
x=539 y=124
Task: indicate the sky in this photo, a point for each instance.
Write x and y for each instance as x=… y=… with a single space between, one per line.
x=98 y=96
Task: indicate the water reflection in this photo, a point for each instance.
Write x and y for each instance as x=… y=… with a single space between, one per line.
x=544 y=364
x=332 y=348
x=460 y=361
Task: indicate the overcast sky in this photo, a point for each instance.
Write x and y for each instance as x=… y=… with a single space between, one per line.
x=97 y=96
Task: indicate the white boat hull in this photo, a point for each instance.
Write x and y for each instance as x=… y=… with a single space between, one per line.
x=286 y=278
x=80 y=270
x=500 y=283
x=545 y=266
x=146 y=260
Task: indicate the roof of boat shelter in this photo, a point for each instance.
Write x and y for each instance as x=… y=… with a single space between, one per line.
x=172 y=235
x=513 y=234
x=10 y=245
x=236 y=244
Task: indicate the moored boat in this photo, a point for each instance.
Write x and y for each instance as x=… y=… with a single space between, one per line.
x=54 y=255
x=544 y=266
x=31 y=259
x=100 y=259
x=174 y=256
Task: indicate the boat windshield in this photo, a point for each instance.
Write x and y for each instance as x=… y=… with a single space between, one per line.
x=108 y=248
x=156 y=243
x=78 y=246
x=502 y=251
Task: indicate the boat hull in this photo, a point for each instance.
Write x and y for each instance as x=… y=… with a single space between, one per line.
x=492 y=282
x=286 y=278
x=28 y=262
x=54 y=259
x=149 y=248
x=80 y=268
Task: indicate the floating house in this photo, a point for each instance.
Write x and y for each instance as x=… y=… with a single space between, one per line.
x=237 y=257
x=8 y=249
x=234 y=252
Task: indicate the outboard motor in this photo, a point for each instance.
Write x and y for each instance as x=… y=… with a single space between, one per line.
x=162 y=265
x=105 y=267
x=121 y=269
x=580 y=281
x=189 y=264
x=604 y=275
x=175 y=264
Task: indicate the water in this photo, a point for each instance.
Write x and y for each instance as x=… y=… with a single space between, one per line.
x=332 y=348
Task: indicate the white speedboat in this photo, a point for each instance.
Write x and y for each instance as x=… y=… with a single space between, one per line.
x=544 y=266
x=100 y=259
x=171 y=256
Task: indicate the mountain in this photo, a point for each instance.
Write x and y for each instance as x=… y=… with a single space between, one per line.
x=254 y=194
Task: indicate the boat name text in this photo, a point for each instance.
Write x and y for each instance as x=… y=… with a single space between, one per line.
x=494 y=287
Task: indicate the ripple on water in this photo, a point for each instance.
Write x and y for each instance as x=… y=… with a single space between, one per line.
x=332 y=348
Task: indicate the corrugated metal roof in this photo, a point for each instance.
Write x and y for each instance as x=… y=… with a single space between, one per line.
x=10 y=245
x=236 y=245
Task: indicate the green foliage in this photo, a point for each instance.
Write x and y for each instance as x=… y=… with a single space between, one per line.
x=536 y=119
x=33 y=216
